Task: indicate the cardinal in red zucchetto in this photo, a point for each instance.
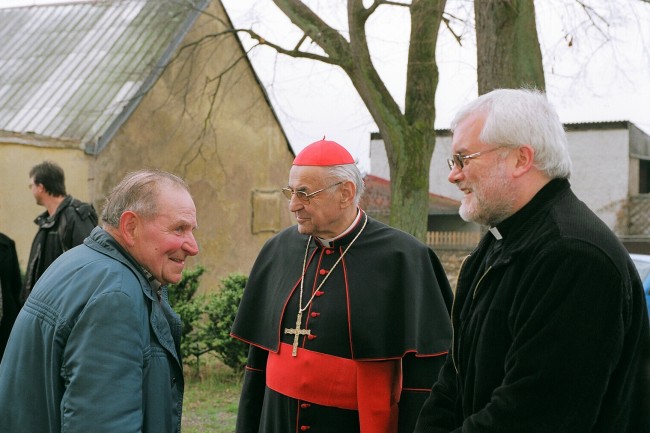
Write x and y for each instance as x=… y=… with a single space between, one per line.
x=346 y=317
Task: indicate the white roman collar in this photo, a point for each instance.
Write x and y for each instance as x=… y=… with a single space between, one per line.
x=496 y=233
x=327 y=243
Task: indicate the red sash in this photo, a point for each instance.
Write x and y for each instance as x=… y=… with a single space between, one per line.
x=371 y=387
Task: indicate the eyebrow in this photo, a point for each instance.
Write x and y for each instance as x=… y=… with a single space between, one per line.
x=300 y=188
x=179 y=220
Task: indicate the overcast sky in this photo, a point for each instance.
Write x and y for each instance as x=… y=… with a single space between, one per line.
x=597 y=74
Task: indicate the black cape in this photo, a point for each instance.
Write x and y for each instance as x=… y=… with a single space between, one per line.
x=387 y=298
x=399 y=296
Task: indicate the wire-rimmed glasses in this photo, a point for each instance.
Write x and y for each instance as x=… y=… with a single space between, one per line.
x=302 y=195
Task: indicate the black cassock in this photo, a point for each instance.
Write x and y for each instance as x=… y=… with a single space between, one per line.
x=387 y=299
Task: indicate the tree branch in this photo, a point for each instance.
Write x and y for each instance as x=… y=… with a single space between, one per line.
x=304 y=37
x=456 y=36
x=295 y=52
x=365 y=78
x=389 y=3
x=591 y=13
x=371 y=9
x=329 y=39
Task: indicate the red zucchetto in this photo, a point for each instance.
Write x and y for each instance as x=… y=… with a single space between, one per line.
x=324 y=153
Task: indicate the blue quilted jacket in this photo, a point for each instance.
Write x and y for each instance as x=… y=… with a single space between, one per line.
x=93 y=349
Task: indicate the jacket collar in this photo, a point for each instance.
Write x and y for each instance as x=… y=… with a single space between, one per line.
x=100 y=240
x=46 y=221
x=165 y=323
x=346 y=237
x=513 y=229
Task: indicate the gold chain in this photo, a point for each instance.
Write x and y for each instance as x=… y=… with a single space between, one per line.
x=301 y=309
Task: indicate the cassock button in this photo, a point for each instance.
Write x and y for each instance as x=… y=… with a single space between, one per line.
x=311 y=336
x=319 y=293
x=328 y=252
x=314 y=314
x=304 y=427
x=323 y=271
x=305 y=405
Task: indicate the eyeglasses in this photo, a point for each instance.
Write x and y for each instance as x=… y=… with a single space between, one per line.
x=302 y=195
x=458 y=160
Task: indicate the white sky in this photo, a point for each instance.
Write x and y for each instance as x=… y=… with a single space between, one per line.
x=602 y=76
x=13 y=3
x=593 y=80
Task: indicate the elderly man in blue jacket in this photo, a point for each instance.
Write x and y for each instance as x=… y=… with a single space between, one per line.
x=96 y=346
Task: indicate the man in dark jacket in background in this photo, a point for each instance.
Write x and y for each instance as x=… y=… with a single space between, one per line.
x=64 y=225
x=550 y=322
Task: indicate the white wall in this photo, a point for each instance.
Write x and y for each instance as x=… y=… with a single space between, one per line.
x=601 y=167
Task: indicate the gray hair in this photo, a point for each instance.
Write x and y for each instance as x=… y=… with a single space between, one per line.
x=138 y=192
x=514 y=117
x=347 y=172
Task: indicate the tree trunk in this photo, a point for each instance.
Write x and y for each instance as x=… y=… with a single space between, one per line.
x=412 y=148
x=507 y=46
x=409 y=206
x=409 y=138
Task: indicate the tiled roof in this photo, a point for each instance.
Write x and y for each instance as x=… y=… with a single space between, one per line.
x=76 y=71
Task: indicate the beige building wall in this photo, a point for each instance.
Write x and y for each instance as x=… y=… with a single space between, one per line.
x=204 y=120
x=17 y=206
x=210 y=123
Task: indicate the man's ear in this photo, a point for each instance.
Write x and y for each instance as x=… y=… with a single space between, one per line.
x=348 y=190
x=129 y=226
x=525 y=160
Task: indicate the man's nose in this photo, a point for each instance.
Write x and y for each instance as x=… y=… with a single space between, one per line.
x=455 y=174
x=295 y=203
x=191 y=247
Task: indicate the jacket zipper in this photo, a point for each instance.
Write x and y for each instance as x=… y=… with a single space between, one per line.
x=480 y=281
x=453 y=308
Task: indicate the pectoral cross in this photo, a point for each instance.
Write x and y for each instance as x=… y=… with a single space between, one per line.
x=297 y=332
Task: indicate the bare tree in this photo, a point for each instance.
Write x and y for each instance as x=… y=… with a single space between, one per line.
x=508 y=55
x=409 y=136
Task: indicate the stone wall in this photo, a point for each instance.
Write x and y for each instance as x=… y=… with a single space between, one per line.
x=451 y=259
x=639 y=215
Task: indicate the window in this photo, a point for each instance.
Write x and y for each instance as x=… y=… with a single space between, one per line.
x=644 y=176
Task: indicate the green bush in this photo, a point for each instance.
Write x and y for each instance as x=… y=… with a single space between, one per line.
x=221 y=310
x=207 y=319
x=181 y=299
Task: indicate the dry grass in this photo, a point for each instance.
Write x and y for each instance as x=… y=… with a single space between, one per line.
x=211 y=399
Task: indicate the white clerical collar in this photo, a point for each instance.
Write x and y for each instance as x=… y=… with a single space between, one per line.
x=327 y=243
x=496 y=233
